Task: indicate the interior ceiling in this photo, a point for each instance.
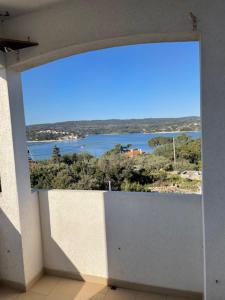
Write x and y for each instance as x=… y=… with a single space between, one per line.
x=20 y=7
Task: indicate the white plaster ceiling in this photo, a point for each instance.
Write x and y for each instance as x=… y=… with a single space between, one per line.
x=20 y=7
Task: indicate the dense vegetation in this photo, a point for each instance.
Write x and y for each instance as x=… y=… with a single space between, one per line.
x=146 y=172
x=83 y=128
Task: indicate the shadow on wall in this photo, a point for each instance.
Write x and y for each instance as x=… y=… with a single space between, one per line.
x=11 y=266
x=153 y=240
x=63 y=262
x=60 y=254
x=11 y=258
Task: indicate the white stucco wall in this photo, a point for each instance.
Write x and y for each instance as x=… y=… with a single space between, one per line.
x=13 y=263
x=19 y=212
x=153 y=239
x=92 y=24
x=33 y=244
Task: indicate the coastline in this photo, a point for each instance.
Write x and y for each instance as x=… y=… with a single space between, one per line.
x=156 y=132
x=52 y=141
x=178 y=131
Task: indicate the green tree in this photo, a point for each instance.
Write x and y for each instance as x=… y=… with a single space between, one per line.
x=140 y=173
x=63 y=179
x=56 y=156
x=183 y=138
x=159 y=140
x=191 y=151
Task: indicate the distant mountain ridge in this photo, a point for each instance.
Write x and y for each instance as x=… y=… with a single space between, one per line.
x=82 y=128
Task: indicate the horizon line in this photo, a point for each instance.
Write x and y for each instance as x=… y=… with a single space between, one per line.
x=113 y=119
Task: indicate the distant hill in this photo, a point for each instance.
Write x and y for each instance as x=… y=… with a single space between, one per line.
x=77 y=129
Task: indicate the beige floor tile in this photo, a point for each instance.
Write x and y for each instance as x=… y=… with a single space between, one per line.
x=86 y=295
x=96 y=297
x=8 y=294
x=95 y=288
x=45 y=285
x=120 y=294
x=30 y=296
x=92 y=291
x=66 y=289
x=54 y=288
x=149 y=296
x=176 y=298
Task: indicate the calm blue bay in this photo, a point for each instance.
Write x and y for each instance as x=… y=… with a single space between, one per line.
x=97 y=144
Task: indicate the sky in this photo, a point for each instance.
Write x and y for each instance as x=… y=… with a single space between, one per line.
x=138 y=81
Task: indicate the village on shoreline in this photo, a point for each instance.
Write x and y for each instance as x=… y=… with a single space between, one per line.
x=72 y=138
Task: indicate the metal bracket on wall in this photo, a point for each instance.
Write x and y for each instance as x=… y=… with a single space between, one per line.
x=9 y=45
x=194 y=20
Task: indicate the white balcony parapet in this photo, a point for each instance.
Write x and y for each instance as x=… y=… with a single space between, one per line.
x=151 y=239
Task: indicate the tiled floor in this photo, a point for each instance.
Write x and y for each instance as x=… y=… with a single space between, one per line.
x=54 y=288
